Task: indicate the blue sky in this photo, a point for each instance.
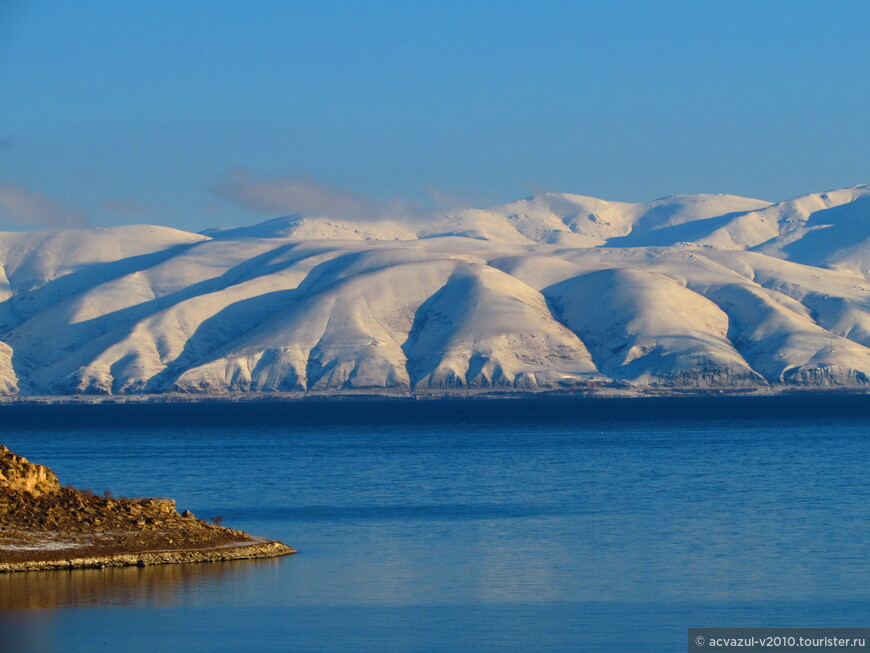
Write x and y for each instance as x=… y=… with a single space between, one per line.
x=197 y=114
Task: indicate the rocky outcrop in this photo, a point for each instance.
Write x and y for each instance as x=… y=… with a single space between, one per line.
x=17 y=475
x=44 y=525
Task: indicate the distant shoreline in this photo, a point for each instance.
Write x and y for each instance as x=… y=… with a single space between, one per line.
x=428 y=395
x=288 y=414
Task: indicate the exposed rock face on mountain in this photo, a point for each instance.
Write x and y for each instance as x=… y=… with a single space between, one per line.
x=44 y=525
x=553 y=292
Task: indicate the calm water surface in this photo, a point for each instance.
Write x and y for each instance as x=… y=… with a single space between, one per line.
x=465 y=525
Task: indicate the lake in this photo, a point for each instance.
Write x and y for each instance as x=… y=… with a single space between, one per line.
x=545 y=524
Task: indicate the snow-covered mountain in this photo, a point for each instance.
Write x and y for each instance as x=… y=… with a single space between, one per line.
x=552 y=292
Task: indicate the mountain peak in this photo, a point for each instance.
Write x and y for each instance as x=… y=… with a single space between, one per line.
x=556 y=291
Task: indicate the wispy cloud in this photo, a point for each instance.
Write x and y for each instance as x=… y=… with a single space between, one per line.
x=303 y=194
x=28 y=207
x=125 y=207
x=444 y=201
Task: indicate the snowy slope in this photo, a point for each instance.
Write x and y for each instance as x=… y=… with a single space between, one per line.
x=555 y=291
x=8 y=377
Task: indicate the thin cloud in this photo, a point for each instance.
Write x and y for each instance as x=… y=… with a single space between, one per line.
x=303 y=194
x=125 y=207
x=447 y=202
x=27 y=207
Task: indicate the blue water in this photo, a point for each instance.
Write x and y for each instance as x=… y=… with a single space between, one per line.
x=467 y=525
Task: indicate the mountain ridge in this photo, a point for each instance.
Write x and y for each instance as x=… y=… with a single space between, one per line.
x=556 y=291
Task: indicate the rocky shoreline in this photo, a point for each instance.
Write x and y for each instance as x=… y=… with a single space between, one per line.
x=44 y=525
x=239 y=551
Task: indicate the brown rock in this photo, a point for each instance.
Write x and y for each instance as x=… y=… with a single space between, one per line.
x=20 y=475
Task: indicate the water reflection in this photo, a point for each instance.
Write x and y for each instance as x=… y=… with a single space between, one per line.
x=155 y=586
